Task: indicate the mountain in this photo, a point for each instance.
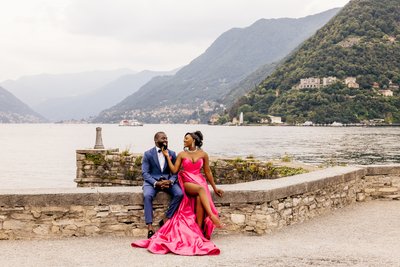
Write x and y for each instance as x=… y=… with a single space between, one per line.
x=248 y=83
x=200 y=87
x=361 y=42
x=13 y=110
x=91 y=103
x=36 y=89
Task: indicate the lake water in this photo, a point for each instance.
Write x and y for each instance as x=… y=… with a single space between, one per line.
x=43 y=155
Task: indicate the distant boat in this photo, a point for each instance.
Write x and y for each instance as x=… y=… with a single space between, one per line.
x=337 y=124
x=308 y=123
x=130 y=123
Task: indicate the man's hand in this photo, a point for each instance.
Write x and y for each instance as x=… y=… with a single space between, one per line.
x=163 y=184
x=166 y=184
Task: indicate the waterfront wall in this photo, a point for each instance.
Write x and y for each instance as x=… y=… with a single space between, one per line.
x=110 y=167
x=258 y=207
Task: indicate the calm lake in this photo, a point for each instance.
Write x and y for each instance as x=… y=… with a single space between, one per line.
x=43 y=155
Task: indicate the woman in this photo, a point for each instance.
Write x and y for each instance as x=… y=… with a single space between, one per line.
x=189 y=230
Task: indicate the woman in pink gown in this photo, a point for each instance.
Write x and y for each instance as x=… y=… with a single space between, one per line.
x=189 y=231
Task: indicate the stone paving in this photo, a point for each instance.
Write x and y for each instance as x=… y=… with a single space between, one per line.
x=363 y=234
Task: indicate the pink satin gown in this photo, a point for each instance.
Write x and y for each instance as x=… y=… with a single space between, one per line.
x=181 y=234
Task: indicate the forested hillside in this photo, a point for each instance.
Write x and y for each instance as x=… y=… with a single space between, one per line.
x=362 y=42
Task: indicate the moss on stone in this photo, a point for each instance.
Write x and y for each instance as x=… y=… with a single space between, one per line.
x=97 y=159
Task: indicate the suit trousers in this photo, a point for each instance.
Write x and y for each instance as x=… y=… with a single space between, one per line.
x=149 y=193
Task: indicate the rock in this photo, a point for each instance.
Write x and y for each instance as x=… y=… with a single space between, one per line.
x=102 y=208
x=389 y=189
x=117 y=208
x=287 y=212
x=238 y=218
x=296 y=201
x=91 y=230
x=117 y=227
x=64 y=222
x=36 y=214
x=360 y=197
x=260 y=217
x=249 y=228
x=369 y=190
x=139 y=232
x=288 y=203
x=4 y=236
x=22 y=216
x=71 y=227
x=102 y=214
x=55 y=229
x=41 y=230
x=13 y=225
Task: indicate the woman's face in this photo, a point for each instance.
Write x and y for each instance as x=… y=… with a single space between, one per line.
x=188 y=140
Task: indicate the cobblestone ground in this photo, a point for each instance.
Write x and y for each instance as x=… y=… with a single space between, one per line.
x=366 y=234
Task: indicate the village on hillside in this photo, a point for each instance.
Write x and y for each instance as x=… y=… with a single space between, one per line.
x=350 y=82
x=317 y=83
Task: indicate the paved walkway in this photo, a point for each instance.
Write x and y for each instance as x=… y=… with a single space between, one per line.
x=366 y=234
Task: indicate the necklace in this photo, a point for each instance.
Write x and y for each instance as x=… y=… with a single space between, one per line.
x=192 y=151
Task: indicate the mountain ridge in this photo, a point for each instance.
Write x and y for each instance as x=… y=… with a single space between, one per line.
x=201 y=85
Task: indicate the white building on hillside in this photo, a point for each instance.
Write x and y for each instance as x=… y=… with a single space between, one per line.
x=328 y=80
x=350 y=82
x=275 y=119
x=310 y=83
x=386 y=92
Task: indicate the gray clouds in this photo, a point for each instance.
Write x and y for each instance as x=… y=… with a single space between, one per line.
x=56 y=36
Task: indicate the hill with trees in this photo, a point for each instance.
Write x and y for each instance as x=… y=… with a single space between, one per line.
x=363 y=42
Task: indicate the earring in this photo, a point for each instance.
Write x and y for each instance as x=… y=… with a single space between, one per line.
x=193 y=144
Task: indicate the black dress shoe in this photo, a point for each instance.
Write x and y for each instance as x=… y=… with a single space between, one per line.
x=161 y=223
x=150 y=233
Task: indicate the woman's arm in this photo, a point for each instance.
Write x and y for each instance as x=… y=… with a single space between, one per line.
x=210 y=178
x=174 y=168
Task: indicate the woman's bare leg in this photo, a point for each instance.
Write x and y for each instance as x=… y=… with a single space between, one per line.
x=198 y=190
x=199 y=212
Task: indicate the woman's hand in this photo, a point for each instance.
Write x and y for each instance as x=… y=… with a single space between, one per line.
x=219 y=192
x=165 y=152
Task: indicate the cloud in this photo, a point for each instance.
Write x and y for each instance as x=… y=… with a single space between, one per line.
x=56 y=36
x=177 y=20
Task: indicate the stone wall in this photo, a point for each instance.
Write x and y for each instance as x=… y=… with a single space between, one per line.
x=109 y=167
x=382 y=183
x=255 y=207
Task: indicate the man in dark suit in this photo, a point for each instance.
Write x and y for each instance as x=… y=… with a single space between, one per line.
x=158 y=177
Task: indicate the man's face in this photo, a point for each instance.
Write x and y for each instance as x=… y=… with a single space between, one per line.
x=161 y=140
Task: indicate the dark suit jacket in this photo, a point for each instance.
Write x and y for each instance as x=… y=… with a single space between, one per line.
x=151 y=171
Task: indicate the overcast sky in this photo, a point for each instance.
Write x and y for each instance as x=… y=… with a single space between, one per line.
x=64 y=36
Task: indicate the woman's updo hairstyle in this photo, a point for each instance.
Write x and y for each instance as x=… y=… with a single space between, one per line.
x=197 y=137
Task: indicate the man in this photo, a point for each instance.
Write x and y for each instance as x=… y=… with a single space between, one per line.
x=158 y=177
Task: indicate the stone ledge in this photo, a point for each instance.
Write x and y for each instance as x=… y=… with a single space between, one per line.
x=256 y=207
x=268 y=190
x=96 y=151
x=251 y=192
x=383 y=169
